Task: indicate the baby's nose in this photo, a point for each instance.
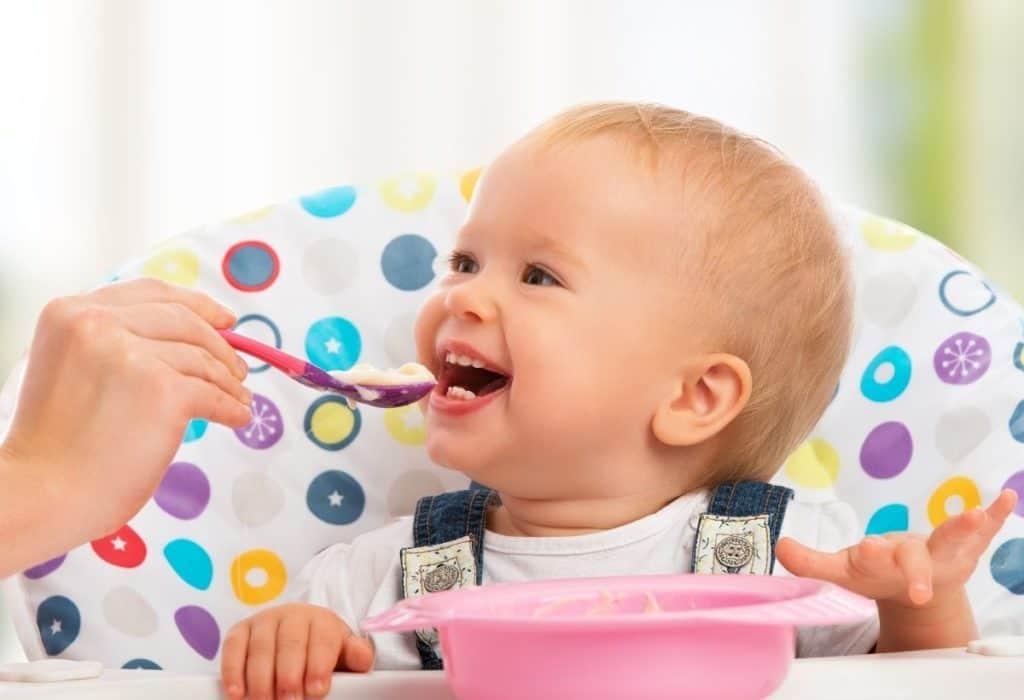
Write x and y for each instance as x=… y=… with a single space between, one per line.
x=471 y=301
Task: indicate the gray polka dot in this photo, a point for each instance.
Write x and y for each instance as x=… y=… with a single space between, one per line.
x=127 y=611
x=959 y=431
x=399 y=341
x=409 y=488
x=888 y=298
x=329 y=265
x=257 y=499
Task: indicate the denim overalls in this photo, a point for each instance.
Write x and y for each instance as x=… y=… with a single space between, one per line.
x=736 y=535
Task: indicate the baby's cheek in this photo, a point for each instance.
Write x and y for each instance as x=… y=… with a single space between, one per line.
x=428 y=320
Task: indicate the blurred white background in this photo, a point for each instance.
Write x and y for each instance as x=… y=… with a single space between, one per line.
x=123 y=122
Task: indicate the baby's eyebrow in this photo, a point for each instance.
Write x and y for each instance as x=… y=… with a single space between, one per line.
x=542 y=241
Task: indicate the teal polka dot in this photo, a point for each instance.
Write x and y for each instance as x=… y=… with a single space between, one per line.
x=333 y=343
x=887 y=376
x=195 y=429
x=894 y=517
x=408 y=262
x=190 y=562
x=329 y=203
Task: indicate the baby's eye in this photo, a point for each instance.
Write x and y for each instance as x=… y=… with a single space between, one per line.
x=460 y=262
x=540 y=277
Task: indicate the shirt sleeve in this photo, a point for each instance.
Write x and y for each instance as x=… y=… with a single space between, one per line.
x=828 y=526
x=324 y=581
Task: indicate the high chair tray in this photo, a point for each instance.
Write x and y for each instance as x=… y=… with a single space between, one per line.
x=938 y=674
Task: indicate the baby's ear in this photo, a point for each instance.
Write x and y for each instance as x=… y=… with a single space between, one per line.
x=707 y=395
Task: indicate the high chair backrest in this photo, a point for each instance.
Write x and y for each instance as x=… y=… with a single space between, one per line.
x=929 y=417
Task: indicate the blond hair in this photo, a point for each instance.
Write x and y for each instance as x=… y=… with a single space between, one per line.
x=774 y=278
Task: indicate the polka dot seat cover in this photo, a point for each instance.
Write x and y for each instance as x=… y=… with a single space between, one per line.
x=928 y=419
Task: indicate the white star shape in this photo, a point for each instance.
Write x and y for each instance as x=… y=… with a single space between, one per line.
x=408 y=188
x=118 y=543
x=55 y=627
x=333 y=346
x=335 y=498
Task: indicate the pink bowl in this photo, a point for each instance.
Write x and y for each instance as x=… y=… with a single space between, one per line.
x=626 y=637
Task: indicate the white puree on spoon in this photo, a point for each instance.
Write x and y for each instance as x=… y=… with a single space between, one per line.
x=364 y=376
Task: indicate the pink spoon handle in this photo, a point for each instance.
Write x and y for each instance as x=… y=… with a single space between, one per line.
x=289 y=364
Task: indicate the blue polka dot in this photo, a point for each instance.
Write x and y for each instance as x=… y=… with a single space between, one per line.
x=250 y=266
x=59 y=623
x=336 y=498
x=333 y=343
x=260 y=328
x=328 y=203
x=195 y=429
x=408 y=262
x=1017 y=423
x=140 y=663
x=1007 y=565
x=894 y=359
x=894 y=517
x=190 y=562
x=965 y=297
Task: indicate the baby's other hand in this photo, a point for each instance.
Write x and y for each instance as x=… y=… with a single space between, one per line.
x=905 y=568
x=290 y=651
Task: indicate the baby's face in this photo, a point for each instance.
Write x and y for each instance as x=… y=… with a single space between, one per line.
x=562 y=300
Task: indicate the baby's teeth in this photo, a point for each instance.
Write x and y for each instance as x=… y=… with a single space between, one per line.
x=478 y=364
x=457 y=392
x=465 y=361
x=450 y=359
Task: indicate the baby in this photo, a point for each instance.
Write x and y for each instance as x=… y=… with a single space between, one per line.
x=646 y=312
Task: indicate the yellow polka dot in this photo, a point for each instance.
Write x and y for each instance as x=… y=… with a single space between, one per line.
x=883 y=234
x=270 y=576
x=405 y=424
x=467 y=183
x=175 y=265
x=253 y=216
x=332 y=422
x=408 y=193
x=960 y=486
x=814 y=465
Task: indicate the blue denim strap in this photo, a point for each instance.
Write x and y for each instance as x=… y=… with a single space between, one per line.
x=446 y=517
x=737 y=499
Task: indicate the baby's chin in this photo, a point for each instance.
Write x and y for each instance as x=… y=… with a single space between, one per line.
x=453 y=452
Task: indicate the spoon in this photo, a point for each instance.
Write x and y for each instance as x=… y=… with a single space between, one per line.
x=380 y=395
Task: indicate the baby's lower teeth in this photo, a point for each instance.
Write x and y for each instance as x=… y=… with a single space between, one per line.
x=457 y=392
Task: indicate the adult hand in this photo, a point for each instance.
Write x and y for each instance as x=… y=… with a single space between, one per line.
x=112 y=380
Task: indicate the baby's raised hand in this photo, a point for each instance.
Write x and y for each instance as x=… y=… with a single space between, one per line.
x=290 y=651
x=906 y=568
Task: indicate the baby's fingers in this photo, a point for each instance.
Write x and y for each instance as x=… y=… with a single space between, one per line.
x=999 y=511
x=326 y=638
x=801 y=560
x=292 y=638
x=914 y=560
x=232 y=660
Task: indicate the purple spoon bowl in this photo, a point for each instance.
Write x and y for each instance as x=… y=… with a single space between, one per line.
x=379 y=395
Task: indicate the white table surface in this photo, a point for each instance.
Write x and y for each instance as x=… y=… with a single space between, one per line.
x=946 y=673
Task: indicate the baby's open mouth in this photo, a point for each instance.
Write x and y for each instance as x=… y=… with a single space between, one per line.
x=466 y=378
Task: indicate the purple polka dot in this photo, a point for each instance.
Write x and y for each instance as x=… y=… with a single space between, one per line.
x=886 y=450
x=199 y=630
x=1016 y=482
x=963 y=358
x=266 y=426
x=47 y=567
x=184 y=491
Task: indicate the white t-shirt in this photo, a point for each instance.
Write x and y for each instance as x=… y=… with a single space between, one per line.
x=364 y=578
